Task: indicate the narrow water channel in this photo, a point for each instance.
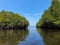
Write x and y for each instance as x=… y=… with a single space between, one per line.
x=33 y=37
x=30 y=36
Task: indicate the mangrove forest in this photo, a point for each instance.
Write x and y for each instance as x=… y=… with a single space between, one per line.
x=51 y=16
x=12 y=20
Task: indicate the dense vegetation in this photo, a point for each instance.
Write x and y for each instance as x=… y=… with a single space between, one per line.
x=51 y=17
x=12 y=20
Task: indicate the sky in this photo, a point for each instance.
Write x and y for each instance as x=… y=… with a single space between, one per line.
x=32 y=10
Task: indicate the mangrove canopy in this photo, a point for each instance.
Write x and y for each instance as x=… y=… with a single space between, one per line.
x=12 y=20
x=51 y=16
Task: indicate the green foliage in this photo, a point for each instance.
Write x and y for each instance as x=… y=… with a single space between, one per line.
x=52 y=14
x=10 y=19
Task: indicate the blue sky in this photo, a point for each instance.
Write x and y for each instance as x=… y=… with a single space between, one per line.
x=32 y=10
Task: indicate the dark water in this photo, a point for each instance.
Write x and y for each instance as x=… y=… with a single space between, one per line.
x=30 y=36
x=50 y=37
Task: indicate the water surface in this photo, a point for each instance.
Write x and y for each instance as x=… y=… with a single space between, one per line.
x=33 y=38
x=12 y=37
x=50 y=37
x=30 y=36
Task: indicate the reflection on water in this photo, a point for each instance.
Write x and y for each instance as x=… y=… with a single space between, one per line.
x=50 y=37
x=30 y=36
x=12 y=37
x=33 y=38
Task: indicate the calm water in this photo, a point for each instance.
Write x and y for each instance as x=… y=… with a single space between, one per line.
x=33 y=38
x=30 y=36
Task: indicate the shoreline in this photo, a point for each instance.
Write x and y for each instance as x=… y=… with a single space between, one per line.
x=56 y=27
x=13 y=28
